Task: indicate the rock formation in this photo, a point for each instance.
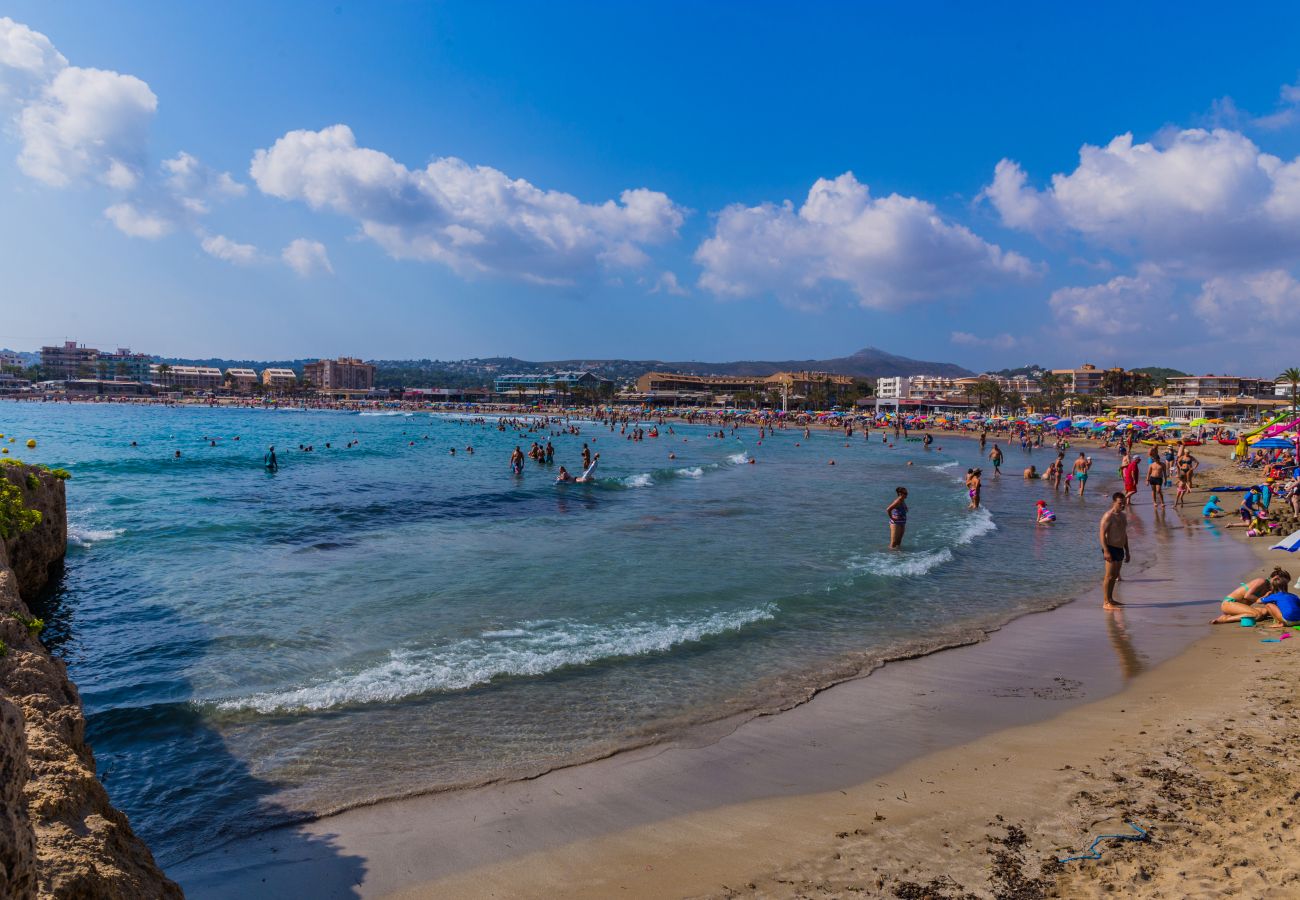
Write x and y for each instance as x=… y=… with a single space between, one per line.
x=59 y=835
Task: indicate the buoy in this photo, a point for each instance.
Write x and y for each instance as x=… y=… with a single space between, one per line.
x=31 y=443
x=4 y=450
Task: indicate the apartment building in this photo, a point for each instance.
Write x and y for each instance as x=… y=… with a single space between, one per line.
x=279 y=379
x=1201 y=386
x=343 y=374
x=241 y=380
x=69 y=360
x=123 y=365
x=186 y=378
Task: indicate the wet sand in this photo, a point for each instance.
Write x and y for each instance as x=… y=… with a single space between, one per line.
x=942 y=739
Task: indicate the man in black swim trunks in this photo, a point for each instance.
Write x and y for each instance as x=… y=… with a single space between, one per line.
x=1114 y=548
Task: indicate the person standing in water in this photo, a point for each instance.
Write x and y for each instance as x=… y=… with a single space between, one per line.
x=1081 y=467
x=1156 y=474
x=586 y=457
x=897 y=512
x=996 y=456
x=271 y=463
x=517 y=461
x=1114 y=547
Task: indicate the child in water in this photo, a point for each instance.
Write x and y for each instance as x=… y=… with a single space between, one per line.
x=1045 y=515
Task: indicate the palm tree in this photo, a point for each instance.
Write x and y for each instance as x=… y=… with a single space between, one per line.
x=1053 y=388
x=164 y=371
x=1292 y=377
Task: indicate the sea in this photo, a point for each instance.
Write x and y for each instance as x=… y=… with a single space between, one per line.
x=382 y=618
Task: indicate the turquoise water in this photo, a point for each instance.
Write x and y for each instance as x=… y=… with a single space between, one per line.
x=386 y=618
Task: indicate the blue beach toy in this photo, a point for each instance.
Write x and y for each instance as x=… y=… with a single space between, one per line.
x=1248 y=622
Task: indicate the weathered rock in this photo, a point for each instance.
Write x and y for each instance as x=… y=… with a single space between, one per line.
x=59 y=835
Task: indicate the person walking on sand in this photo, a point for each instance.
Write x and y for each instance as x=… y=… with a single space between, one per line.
x=1080 y=471
x=897 y=512
x=1156 y=479
x=1114 y=548
x=995 y=455
x=1128 y=470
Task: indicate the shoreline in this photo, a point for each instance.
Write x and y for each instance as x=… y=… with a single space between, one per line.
x=476 y=858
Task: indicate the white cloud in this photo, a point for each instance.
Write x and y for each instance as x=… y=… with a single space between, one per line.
x=87 y=123
x=307 y=257
x=667 y=283
x=1198 y=201
x=77 y=125
x=135 y=222
x=886 y=251
x=474 y=219
x=1250 y=305
x=224 y=248
x=1124 y=304
x=27 y=59
x=1001 y=341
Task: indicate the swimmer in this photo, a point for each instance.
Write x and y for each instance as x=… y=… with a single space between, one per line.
x=564 y=476
x=1031 y=474
x=586 y=475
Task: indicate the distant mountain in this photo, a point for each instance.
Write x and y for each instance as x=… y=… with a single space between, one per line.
x=867 y=363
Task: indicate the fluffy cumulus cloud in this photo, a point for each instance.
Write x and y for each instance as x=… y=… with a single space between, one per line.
x=84 y=126
x=886 y=251
x=1198 y=201
x=474 y=219
x=1118 y=306
x=307 y=257
x=1250 y=305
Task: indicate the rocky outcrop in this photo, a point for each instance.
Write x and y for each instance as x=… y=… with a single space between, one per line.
x=59 y=835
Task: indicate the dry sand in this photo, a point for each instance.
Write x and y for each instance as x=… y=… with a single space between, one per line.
x=1201 y=752
x=847 y=795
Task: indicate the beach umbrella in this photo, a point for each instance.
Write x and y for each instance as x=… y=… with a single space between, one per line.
x=1290 y=543
x=1169 y=426
x=1200 y=421
x=1063 y=425
x=1273 y=443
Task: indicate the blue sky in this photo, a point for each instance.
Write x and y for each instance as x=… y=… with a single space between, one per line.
x=596 y=179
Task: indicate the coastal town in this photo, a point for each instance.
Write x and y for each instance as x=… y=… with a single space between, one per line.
x=75 y=371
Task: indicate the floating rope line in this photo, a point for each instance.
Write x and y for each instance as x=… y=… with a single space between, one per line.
x=1094 y=853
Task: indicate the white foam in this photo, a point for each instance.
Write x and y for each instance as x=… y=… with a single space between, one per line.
x=738 y=459
x=901 y=564
x=948 y=465
x=84 y=537
x=645 y=479
x=693 y=472
x=978 y=523
x=542 y=647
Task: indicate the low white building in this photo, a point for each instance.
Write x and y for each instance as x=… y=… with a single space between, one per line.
x=279 y=379
x=192 y=378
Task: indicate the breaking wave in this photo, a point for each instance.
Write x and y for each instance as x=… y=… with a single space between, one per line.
x=536 y=648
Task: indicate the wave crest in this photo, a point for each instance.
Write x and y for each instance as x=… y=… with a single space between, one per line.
x=537 y=648
x=901 y=564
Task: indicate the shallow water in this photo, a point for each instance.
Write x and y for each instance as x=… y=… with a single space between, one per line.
x=386 y=619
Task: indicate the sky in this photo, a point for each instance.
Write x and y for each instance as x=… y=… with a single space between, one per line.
x=988 y=184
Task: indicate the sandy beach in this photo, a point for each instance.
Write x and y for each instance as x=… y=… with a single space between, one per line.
x=966 y=773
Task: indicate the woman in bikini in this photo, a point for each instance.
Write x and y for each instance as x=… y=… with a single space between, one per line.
x=1241 y=603
x=897 y=512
